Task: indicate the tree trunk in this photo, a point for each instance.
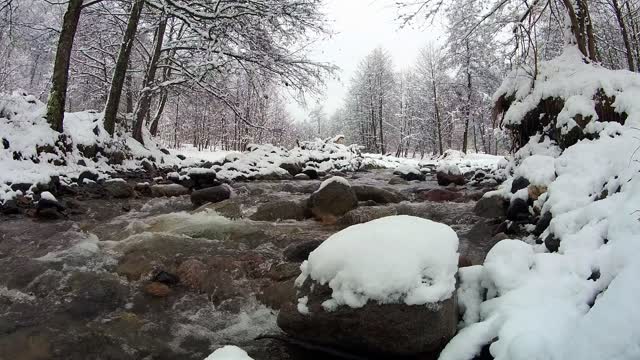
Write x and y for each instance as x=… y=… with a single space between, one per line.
x=60 y=78
x=625 y=34
x=113 y=101
x=465 y=135
x=438 y=120
x=156 y=118
x=575 y=27
x=142 y=109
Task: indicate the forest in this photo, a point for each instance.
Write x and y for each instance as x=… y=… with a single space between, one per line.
x=219 y=74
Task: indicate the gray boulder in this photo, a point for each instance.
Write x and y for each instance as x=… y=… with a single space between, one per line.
x=491 y=207
x=380 y=196
x=332 y=201
x=213 y=195
x=280 y=210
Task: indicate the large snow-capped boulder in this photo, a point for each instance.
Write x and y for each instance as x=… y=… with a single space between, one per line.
x=383 y=286
x=334 y=198
x=409 y=173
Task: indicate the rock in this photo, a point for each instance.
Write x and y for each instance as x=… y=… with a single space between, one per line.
x=499 y=236
x=311 y=173
x=166 y=278
x=552 y=243
x=94 y=293
x=284 y=271
x=519 y=183
x=10 y=207
x=543 y=223
x=181 y=157
x=293 y=168
x=302 y=177
x=157 y=289
x=5 y=143
x=365 y=214
x=490 y=207
x=409 y=173
x=165 y=151
x=299 y=252
x=439 y=195
x=204 y=179
x=332 y=201
x=228 y=208
x=518 y=210
x=24 y=187
x=535 y=191
x=119 y=188
x=464 y=261
x=117 y=158
x=445 y=179
x=148 y=166
x=192 y=273
x=213 y=194
x=87 y=174
x=81 y=162
x=280 y=210
x=275 y=295
x=392 y=329
x=168 y=190
x=380 y=196
x=397 y=180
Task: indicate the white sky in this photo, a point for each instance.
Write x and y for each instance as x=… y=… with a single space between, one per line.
x=360 y=26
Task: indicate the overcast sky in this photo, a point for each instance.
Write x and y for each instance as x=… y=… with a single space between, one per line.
x=360 y=26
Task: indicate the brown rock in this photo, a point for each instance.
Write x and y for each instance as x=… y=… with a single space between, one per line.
x=440 y=195
x=192 y=273
x=445 y=179
x=157 y=289
x=535 y=191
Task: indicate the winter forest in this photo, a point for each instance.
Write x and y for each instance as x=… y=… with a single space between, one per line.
x=319 y=179
x=209 y=75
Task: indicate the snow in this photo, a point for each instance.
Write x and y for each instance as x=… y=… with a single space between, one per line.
x=229 y=352
x=448 y=168
x=32 y=145
x=541 y=305
x=338 y=179
x=47 y=196
x=538 y=169
x=396 y=259
x=302 y=305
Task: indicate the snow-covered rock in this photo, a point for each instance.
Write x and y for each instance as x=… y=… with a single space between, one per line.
x=229 y=352
x=396 y=259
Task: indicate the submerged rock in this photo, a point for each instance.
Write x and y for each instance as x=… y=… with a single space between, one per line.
x=213 y=194
x=168 y=190
x=280 y=210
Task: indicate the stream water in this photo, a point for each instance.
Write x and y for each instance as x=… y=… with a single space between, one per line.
x=75 y=289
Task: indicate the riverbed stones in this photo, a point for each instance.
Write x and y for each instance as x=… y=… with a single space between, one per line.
x=445 y=178
x=213 y=195
x=280 y=210
x=119 y=188
x=299 y=252
x=332 y=201
x=157 y=289
x=440 y=195
x=379 y=195
x=364 y=214
x=168 y=190
x=392 y=329
x=490 y=207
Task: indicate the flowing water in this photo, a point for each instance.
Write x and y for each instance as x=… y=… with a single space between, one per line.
x=75 y=289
